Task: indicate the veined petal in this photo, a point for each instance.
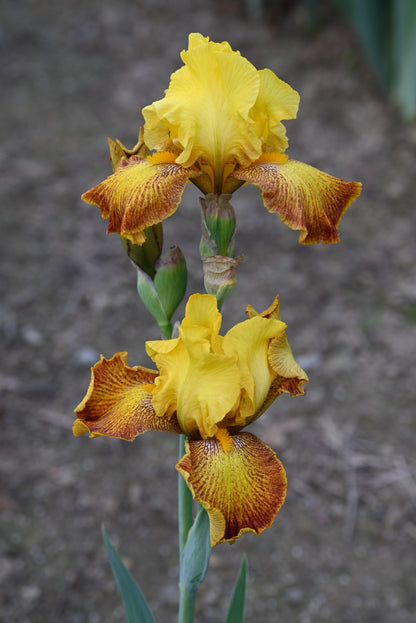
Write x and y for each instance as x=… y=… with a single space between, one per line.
x=304 y=198
x=172 y=363
x=211 y=390
x=141 y=193
x=276 y=101
x=197 y=381
x=281 y=359
x=118 y=402
x=242 y=489
x=202 y=314
x=290 y=377
x=200 y=386
x=206 y=109
x=250 y=340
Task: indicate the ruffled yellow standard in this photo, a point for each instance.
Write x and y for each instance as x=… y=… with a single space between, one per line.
x=209 y=387
x=219 y=126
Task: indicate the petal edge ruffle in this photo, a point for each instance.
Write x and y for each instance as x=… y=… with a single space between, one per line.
x=118 y=402
x=303 y=197
x=140 y=193
x=242 y=489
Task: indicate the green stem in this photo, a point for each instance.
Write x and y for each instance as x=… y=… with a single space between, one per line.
x=186 y=605
x=185 y=520
x=185 y=516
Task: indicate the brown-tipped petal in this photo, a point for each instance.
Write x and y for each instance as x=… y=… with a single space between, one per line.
x=290 y=376
x=242 y=489
x=304 y=198
x=118 y=402
x=141 y=193
x=273 y=311
x=283 y=362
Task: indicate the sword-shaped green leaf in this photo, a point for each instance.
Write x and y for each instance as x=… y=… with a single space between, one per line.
x=236 y=609
x=135 y=605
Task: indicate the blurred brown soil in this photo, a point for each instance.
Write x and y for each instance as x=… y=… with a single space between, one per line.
x=343 y=546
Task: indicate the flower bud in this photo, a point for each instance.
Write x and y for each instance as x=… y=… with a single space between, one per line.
x=218 y=226
x=148 y=294
x=146 y=255
x=219 y=275
x=163 y=294
x=171 y=279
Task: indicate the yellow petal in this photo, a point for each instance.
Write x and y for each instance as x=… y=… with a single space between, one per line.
x=249 y=341
x=289 y=376
x=141 y=193
x=201 y=386
x=197 y=381
x=305 y=198
x=171 y=359
x=118 y=402
x=206 y=110
x=281 y=359
x=200 y=327
x=276 y=101
x=242 y=489
x=202 y=314
x=195 y=39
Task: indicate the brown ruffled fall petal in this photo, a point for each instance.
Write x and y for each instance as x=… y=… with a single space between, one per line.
x=140 y=193
x=303 y=197
x=118 y=402
x=242 y=489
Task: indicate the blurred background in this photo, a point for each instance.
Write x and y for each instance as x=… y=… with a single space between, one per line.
x=342 y=547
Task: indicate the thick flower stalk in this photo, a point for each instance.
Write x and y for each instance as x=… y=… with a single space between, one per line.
x=209 y=387
x=220 y=126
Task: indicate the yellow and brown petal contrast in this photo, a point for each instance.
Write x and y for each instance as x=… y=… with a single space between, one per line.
x=211 y=381
x=303 y=197
x=219 y=111
x=219 y=125
x=207 y=386
x=118 y=402
x=242 y=489
x=140 y=193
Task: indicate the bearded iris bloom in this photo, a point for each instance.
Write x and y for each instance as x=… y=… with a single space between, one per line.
x=219 y=126
x=209 y=387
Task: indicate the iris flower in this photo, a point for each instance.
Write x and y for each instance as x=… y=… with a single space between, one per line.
x=209 y=387
x=219 y=126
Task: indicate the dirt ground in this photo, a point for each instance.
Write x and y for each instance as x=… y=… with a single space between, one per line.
x=343 y=547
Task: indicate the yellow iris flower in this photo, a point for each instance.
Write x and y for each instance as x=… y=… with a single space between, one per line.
x=219 y=126
x=209 y=387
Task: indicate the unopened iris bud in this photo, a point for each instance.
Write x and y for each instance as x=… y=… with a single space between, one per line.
x=162 y=294
x=148 y=293
x=147 y=254
x=218 y=226
x=171 y=279
x=219 y=275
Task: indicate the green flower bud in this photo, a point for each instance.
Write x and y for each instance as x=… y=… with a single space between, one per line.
x=170 y=279
x=218 y=226
x=150 y=298
x=163 y=294
x=146 y=255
